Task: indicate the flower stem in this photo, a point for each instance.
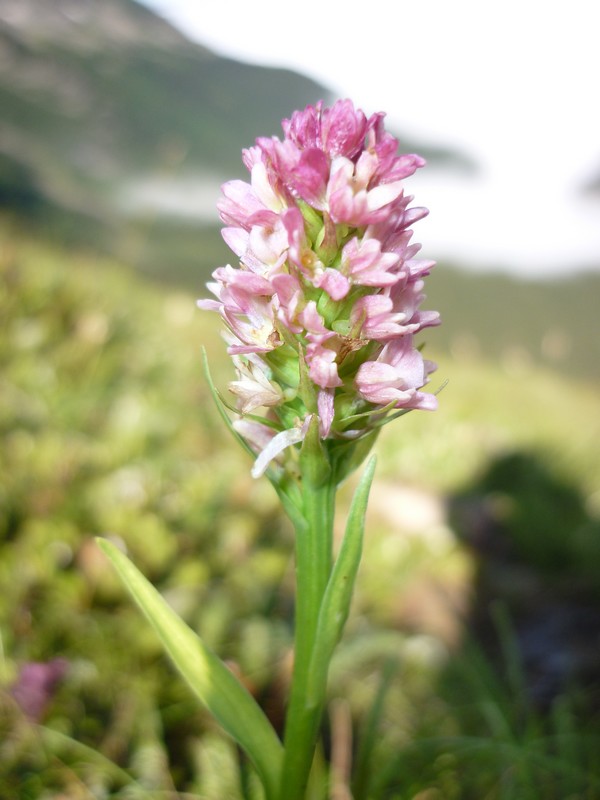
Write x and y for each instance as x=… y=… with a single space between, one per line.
x=313 y=566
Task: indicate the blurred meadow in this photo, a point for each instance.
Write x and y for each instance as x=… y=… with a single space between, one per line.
x=470 y=666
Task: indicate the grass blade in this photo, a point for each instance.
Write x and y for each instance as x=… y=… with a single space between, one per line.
x=222 y=694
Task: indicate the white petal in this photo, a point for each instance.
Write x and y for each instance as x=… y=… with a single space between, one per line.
x=277 y=445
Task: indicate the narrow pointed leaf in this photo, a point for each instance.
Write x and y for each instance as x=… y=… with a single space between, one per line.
x=221 y=406
x=218 y=689
x=350 y=455
x=338 y=594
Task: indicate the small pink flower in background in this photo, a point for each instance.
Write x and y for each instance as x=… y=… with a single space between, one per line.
x=36 y=685
x=327 y=277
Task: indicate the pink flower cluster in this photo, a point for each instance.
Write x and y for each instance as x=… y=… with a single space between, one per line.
x=327 y=285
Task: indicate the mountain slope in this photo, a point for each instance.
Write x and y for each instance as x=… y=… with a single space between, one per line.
x=95 y=93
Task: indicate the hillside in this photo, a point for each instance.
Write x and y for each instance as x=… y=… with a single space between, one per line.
x=95 y=95
x=116 y=128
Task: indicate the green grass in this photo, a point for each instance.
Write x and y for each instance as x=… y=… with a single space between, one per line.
x=107 y=429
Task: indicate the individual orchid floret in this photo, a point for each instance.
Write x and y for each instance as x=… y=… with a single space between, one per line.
x=244 y=302
x=300 y=252
x=350 y=198
x=253 y=204
x=379 y=320
x=323 y=369
x=263 y=249
x=366 y=265
x=322 y=310
x=253 y=387
x=396 y=376
x=339 y=130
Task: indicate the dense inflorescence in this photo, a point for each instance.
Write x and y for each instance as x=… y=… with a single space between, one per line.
x=322 y=310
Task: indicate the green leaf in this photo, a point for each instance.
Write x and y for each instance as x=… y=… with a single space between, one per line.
x=338 y=594
x=221 y=408
x=222 y=694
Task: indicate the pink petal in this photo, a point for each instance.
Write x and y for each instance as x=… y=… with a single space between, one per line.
x=326 y=411
x=309 y=177
x=334 y=283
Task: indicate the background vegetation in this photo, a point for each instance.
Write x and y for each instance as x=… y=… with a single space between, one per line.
x=484 y=520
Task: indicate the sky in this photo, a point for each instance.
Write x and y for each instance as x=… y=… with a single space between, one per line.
x=513 y=85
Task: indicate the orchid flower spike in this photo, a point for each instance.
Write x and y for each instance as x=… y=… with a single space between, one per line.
x=323 y=306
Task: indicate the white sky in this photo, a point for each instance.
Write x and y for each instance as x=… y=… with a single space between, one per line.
x=511 y=84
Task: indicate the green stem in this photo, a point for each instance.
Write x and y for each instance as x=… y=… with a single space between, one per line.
x=314 y=543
